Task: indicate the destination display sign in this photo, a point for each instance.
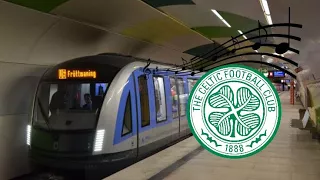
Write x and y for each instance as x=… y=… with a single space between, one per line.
x=278 y=74
x=76 y=74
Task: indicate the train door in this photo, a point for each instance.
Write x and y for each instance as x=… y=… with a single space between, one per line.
x=183 y=98
x=143 y=88
x=163 y=130
x=175 y=109
x=191 y=83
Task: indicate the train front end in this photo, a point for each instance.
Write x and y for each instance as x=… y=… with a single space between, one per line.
x=63 y=132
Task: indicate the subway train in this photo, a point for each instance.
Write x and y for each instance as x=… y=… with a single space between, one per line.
x=106 y=109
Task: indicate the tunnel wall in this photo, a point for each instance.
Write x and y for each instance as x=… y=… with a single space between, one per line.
x=31 y=42
x=17 y=82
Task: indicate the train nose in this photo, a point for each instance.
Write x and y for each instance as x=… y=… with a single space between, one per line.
x=55 y=137
x=71 y=142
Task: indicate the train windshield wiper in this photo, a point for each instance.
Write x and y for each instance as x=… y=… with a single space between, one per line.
x=46 y=118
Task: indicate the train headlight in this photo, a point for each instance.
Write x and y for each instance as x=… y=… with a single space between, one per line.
x=28 y=135
x=98 y=143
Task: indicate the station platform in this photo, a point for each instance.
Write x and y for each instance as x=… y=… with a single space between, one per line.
x=292 y=155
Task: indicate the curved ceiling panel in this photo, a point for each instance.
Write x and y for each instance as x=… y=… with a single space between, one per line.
x=240 y=22
x=192 y=15
x=184 y=25
x=213 y=28
x=34 y=37
x=114 y=15
x=159 y=3
x=243 y=44
x=216 y=32
x=197 y=51
x=44 y=6
x=237 y=23
x=144 y=22
x=163 y=31
x=246 y=8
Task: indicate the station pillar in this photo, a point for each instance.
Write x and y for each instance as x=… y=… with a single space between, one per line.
x=292 y=96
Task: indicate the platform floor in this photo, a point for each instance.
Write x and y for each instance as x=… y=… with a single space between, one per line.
x=292 y=155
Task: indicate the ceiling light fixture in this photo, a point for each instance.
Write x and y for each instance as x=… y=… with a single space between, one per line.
x=288 y=52
x=278 y=54
x=265 y=6
x=242 y=34
x=269 y=60
x=220 y=17
x=269 y=19
x=266 y=10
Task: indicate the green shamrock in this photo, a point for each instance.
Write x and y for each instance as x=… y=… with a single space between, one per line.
x=227 y=118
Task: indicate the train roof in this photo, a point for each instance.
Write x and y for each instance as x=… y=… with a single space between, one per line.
x=111 y=59
x=107 y=64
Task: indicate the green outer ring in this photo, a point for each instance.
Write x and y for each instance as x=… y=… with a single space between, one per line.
x=252 y=153
x=259 y=125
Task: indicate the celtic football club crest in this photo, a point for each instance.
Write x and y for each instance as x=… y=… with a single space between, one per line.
x=234 y=111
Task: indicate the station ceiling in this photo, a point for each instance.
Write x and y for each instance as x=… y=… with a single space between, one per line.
x=190 y=26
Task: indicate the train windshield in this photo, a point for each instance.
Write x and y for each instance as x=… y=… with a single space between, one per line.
x=68 y=105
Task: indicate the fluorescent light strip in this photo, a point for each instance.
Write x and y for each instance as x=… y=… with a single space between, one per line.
x=242 y=34
x=28 y=135
x=220 y=17
x=269 y=60
x=278 y=54
x=226 y=23
x=269 y=19
x=265 y=7
x=266 y=10
x=217 y=14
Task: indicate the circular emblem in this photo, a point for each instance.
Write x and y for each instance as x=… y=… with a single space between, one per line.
x=234 y=111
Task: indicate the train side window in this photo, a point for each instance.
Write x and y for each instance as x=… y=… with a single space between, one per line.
x=160 y=98
x=174 y=98
x=127 y=118
x=183 y=97
x=191 y=83
x=144 y=100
